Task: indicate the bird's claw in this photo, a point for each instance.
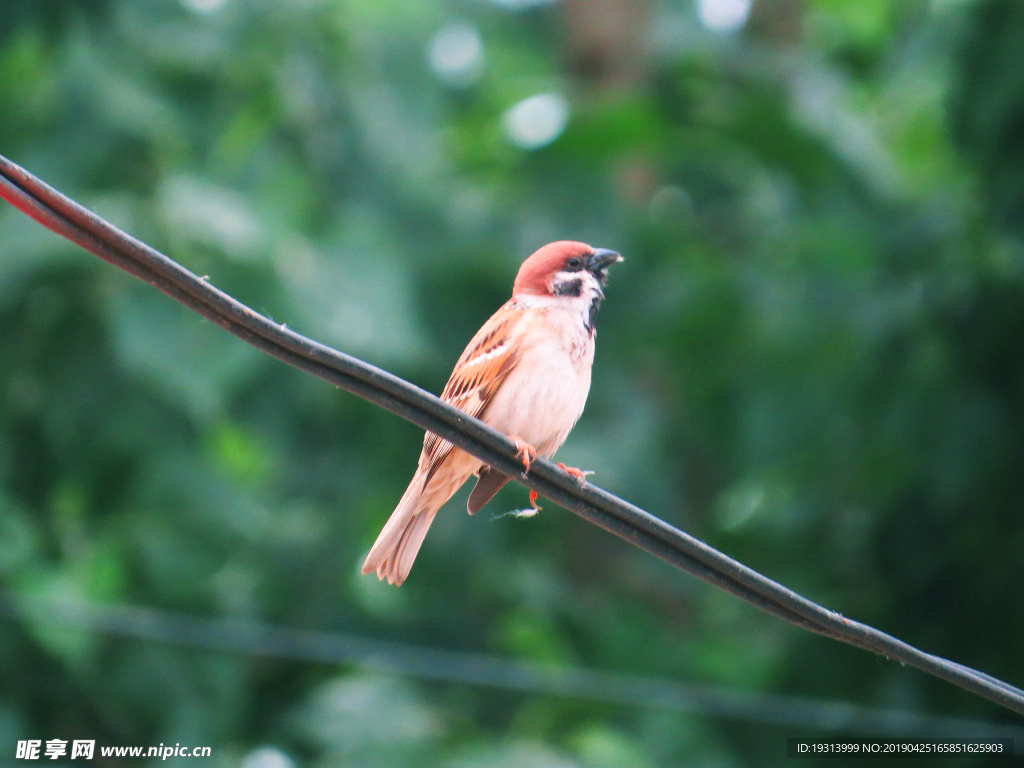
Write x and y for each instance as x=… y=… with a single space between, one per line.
x=525 y=452
x=580 y=475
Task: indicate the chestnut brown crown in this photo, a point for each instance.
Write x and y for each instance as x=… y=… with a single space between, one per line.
x=537 y=272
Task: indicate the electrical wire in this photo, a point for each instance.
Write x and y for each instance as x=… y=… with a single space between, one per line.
x=627 y=521
x=460 y=667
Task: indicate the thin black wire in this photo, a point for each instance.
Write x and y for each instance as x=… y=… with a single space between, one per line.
x=640 y=528
x=258 y=639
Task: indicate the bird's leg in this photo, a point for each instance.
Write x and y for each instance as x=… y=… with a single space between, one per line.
x=579 y=474
x=526 y=452
x=533 y=502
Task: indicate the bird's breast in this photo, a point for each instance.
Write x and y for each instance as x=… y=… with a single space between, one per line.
x=544 y=395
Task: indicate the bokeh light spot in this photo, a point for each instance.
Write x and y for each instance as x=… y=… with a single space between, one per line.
x=267 y=757
x=205 y=7
x=537 y=121
x=456 y=53
x=723 y=15
x=522 y=5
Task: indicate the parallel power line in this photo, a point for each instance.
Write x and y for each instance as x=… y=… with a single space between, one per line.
x=462 y=667
x=627 y=521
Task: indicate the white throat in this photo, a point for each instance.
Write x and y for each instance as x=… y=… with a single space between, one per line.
x=578 y=293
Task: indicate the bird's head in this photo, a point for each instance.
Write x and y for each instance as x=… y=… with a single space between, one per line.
x=565 y=268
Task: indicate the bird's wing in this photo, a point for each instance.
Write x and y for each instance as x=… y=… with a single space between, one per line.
x=490 y=482
x=478 y=375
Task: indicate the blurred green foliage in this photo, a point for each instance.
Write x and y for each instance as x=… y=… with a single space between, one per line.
x=811 y=357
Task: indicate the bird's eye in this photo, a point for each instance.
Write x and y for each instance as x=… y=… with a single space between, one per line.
x=574 y=263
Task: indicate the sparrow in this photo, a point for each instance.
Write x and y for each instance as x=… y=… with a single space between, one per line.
x=525 y=373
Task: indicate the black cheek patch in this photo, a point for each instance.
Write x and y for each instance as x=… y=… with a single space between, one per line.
x=569 y=288
x=594 y=306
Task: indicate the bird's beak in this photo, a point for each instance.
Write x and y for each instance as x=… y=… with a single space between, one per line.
x=602 y=258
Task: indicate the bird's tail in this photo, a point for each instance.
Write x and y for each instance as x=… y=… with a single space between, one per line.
x=395 y=550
